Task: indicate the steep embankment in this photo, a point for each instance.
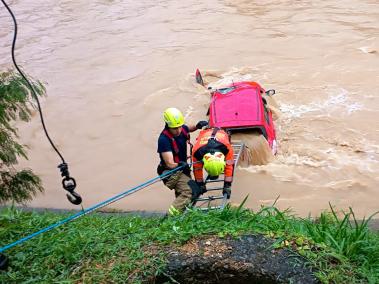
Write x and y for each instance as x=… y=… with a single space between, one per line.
x=234 y=245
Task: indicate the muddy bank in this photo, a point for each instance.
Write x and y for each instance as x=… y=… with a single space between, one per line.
x=247 y=259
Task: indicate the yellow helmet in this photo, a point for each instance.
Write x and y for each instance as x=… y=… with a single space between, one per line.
x=214 y=164
x=173 y=117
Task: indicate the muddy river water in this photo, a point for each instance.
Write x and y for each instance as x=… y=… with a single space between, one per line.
x=111 y=67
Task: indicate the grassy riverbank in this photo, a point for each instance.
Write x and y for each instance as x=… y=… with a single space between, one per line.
x=112 y=248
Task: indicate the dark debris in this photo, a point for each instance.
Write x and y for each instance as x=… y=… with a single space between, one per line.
x=247 y=259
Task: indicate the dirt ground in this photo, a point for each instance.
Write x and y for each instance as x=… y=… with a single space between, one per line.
x=246 y=259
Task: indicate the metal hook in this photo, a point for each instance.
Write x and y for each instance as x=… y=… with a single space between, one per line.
x=75 y=199
x=69 y=184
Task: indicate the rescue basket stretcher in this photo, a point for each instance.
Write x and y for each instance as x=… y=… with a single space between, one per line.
x=211 y=201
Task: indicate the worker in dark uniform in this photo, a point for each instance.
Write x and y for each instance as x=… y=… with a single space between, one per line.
x=172 y=149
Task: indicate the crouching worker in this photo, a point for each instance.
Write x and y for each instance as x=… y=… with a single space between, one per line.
x=215 y=152
x=172 y=149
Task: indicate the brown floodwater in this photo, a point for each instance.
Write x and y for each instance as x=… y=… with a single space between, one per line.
x=111 y=67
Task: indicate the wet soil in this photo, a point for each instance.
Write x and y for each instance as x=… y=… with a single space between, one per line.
x=246 y=259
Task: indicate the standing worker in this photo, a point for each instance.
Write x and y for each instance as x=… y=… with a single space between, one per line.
x=172 y=149
x=216 y=154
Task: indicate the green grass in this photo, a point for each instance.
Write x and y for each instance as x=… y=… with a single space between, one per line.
x=100 y=248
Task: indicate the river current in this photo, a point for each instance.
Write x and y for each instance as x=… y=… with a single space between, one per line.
x=111 y=68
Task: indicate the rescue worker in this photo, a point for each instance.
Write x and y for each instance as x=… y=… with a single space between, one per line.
x=215 y=152
x=172 y=149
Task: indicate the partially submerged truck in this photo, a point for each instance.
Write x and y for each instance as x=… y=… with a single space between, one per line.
x=241 y=107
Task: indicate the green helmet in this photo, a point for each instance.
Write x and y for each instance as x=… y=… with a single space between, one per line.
x=173 y=117
x=214 y=164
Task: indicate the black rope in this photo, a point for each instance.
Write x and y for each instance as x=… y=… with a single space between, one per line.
x=27 y=81
x=68 y=182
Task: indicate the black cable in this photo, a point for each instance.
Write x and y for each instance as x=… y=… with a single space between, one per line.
x=68 y=182
x=27 y=81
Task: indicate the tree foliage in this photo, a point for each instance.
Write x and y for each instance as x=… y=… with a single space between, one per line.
x=16 y=103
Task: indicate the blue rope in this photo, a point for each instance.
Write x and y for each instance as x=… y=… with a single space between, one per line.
x=88 y=210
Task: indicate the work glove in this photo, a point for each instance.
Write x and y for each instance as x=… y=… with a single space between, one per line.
x=196 y=189
x=184 y=165
x=202 y=186
x=201 y=124
x=227 y=189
